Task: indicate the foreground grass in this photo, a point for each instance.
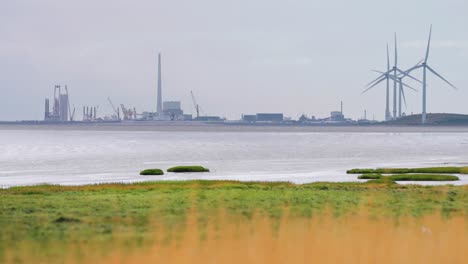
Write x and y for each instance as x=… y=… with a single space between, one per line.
x=58 y=215
x=456 y=170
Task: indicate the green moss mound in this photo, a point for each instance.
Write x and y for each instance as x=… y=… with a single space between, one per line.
x=152 y=172
x=179 y=169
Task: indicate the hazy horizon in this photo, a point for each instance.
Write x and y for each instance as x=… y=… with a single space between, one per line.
x=238 y=57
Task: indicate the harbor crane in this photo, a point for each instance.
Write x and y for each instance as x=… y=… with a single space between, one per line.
x=128 y=113
x=116 y=110
x=195 y=104
x=72 y=114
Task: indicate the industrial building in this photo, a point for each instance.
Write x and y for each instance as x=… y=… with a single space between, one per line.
x=263 y=117
x=249 y=118
x=337 y=115
x=270 y=117
x=173 y=110
x=61 y=111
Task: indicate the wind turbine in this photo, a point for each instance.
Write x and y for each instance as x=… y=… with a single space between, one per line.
x=384 y=76
x=401 y=91
x=392 y=74
x=426 y=67
x=397 y=80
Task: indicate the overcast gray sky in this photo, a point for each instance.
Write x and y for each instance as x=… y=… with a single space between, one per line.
x=244 y=56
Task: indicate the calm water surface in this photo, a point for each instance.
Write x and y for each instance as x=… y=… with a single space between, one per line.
x=72 y=157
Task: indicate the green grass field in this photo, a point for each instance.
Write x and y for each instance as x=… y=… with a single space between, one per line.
x=56 y=215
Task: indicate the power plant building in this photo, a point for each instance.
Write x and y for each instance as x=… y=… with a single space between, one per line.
x=173 y=110
x=270 y=117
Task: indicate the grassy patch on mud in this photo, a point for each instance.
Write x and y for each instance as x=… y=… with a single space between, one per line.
x=152 y=172
x=454 y=170
x=422 y=177
x=180 y=169
x=409 y=177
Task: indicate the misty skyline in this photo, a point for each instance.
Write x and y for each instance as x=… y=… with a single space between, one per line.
x=238 y=57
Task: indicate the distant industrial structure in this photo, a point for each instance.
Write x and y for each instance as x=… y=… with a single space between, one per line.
x=89 y=113
x=165 y=110
x=337 y=115
x=172 y=111
x=61 y=111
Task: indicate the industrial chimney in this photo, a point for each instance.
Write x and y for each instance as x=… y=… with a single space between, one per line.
x=46 y=110
x=159 y=105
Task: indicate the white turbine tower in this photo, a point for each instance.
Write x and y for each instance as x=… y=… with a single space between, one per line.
x=385 y=76
x=426 y=67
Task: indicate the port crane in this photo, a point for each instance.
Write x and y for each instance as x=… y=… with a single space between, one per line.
x=70 y=113
x=128 y=113
x=195 y=104
x=116 y=110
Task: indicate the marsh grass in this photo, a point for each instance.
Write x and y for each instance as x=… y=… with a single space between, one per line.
x=181 y=169
x=422 y=177
x=370 y=176
x=454 y=170
x=51 y=218
x=408 y=177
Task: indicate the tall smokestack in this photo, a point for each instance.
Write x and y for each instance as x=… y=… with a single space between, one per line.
x=341 y=107
x=159 y=106
x=46 y=110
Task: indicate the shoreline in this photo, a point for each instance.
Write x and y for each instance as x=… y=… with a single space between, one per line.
x=164 y=126
x=185 y=182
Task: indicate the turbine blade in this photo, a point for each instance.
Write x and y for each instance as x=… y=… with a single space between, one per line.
x=428 y=45
x=404 y=97
x=381 y=72
x=438 y=75
x=383 y=75
x=406 y=74
x=379 y=81
x=404 y=84
x=396 y=51
x=388 y=59
x=417 y=66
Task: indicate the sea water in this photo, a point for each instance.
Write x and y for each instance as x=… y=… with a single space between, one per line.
x=89 y=156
